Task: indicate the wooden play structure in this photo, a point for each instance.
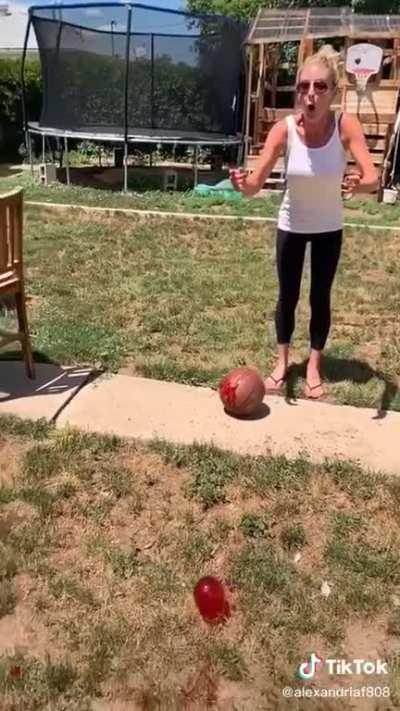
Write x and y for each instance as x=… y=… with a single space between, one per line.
x=280 y=40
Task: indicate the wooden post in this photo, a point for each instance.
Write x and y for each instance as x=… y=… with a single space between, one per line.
x=248 y=105
x=306 y=48
x=345 y=79
x=396 y=60
x=259 y=102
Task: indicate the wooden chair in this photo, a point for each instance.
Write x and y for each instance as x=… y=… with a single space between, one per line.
x=11 y=271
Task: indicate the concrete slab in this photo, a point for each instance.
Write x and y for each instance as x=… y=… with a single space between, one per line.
x=144 y=408
x=40 y=398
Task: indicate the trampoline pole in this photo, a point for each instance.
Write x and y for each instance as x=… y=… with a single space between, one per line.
x=67 y=160
x=28 y=135
x=152 y=83
x=195 y=165
x=126 y=167
x=248 y=106
x=240 y=153
x=126 y=93
x=43 y=148
x=23 y=92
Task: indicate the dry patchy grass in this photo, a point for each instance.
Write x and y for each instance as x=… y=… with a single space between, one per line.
x=102 y=542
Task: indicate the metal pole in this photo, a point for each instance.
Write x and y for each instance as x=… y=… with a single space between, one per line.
x=195 y=165
x=112 y=37
x=152 y=82
x=248 y=105
x=23 y=91
x=240 y=153
x=126 y=167
x=67 y=160
x=28 y=135
x=127 y=66
x=43 y=148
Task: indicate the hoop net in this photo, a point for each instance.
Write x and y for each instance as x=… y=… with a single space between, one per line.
x=362 y=76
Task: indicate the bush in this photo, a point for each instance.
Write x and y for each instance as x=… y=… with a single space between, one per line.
x=11 y=118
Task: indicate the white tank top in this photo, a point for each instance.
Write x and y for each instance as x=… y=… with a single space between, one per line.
x=312 y=201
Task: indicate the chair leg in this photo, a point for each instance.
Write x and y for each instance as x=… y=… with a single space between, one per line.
x=24 y=331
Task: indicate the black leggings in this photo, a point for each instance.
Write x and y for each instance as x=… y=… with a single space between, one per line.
x=325 y=253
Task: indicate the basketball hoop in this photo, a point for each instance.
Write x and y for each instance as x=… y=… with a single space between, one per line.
x=362 y=76
x=362 y=61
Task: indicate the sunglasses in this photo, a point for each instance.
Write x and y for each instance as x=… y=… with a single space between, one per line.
x=320 y=87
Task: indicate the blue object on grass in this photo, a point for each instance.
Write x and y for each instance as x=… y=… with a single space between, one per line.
x=222 y=189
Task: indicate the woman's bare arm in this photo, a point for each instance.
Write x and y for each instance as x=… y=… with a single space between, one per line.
x=354 y=140
x=274 y=146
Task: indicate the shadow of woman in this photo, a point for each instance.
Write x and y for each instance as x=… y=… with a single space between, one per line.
x=337 y=370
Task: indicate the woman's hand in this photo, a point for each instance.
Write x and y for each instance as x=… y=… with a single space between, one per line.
x=350 y=184
x=238 y=178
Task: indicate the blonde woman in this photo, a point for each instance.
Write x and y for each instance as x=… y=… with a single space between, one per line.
x=314 y=141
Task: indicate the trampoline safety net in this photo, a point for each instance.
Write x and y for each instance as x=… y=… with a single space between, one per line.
x=119 y=68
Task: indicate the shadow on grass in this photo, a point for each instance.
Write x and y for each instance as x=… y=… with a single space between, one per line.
x=337 y=370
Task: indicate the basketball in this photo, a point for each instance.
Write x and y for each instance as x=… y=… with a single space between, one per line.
x=242 y=391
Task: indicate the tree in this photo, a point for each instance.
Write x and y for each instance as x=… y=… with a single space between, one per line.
x=248 y=8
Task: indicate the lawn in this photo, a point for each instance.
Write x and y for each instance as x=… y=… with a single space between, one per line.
x=144 y=197
x=184 y=301
x=102 y=541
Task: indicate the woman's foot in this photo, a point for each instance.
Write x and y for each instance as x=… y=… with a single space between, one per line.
x=314 y=387
x=276 y=380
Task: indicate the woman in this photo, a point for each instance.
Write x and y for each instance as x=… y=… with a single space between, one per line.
x=314 y=142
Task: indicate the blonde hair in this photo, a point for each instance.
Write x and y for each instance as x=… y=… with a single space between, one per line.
x=326 y=57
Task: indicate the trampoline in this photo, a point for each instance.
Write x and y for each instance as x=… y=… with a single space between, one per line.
x=132 y=73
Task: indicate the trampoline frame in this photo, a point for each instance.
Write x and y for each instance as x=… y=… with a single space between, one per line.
x=126 y=137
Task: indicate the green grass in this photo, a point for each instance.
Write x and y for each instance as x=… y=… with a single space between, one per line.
x=294 y=537
x=255 y=525
x=111 y=595
x=187 y=302
x=37 y=429
x=143 y=196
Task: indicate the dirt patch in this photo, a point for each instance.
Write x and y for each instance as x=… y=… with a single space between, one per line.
x=15 y=514
x=9 y=453
x=23 y=632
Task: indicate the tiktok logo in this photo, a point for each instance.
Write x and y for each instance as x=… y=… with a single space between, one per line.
x=307 y=669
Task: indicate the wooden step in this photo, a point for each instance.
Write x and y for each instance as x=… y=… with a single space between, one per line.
x=375 y=129
x=253 y=159
x=271 y=114
x=370 y=124
x=377 y=158
x=374 y=143
x=278 y=183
